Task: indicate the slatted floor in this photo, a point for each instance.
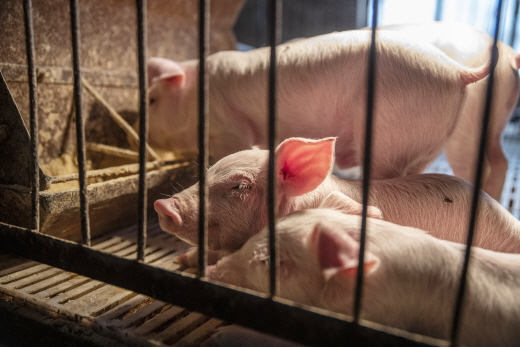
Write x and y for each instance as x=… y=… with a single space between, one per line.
x=137 y=320
x=134 y=319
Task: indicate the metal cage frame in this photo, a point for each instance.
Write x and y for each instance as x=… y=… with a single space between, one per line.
x=303 y=324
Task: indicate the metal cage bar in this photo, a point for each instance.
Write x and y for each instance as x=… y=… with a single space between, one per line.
x=371 y=76
x=274 y=26
x=80 y=126
x=478 y=182
x=514 y=27
x=439 y=8
x=306 y=325
x=143 y=127
x=33 y=108
x=204 y=13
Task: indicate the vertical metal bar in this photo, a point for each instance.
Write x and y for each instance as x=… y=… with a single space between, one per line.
x=33 y=98
x=439 y=6
x=143 y=127
x=371 y=77
x=515 y=24
x=80 y=128
x=204 y=13
x=478 y=181
x=274 y=25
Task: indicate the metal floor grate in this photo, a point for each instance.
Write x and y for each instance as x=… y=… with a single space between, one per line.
x=131 y=318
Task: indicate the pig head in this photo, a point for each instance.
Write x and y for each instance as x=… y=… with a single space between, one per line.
x=169 y=82
x=410 y=278
x=237 y=188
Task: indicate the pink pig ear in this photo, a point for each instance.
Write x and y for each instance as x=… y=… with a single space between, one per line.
x=168 y=71
x=303 y=164
x=338 y=254
x=341 y=202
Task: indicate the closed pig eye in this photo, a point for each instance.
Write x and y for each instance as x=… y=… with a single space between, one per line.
x=152 y=100
x=242 y=186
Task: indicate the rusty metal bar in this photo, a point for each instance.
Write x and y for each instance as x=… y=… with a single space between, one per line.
x=143 y=128
x=33 y=108
x=112 y=150
x=371 y=78
x=116 y=117
x=478 y=182
x=118 y=171
x=274 y=24
x=80 y=122
x=279 y=317
x=204 y=7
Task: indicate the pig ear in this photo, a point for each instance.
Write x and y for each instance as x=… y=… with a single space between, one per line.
x=167 y=71
x=341 y=202
x=303 y=164
x=338 y=254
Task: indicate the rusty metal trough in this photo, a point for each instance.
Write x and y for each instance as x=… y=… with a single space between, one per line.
x=109 y=64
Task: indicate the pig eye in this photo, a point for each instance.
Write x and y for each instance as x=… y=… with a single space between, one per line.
x=242 y=186
x=152 y=101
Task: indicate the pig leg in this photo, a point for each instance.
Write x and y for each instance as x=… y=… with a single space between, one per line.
x=190 y=258
x=498 y=168
x=463 y=144
x=463 y=162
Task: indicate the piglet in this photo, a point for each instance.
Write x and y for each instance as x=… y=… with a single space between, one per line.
x=321 y=92
x=470 y=47
x=411 y=278
x=237 y=206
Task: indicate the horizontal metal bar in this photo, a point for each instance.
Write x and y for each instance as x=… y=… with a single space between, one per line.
x=112 y=150
x=311 y=327
x=65 y=75
x=118 y=171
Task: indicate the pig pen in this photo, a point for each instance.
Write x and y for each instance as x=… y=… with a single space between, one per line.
x=98 y=293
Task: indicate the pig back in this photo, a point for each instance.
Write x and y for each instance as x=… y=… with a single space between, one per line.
x=322 y=92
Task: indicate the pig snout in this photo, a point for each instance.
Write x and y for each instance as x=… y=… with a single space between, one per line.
x=169 y=215
x=178 y=215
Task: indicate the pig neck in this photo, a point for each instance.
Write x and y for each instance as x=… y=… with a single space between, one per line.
x=223 y=125
x=231 y=127
x=188 y=106
x=314 y=198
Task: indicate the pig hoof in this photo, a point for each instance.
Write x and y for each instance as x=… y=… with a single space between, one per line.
x=189 y=258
